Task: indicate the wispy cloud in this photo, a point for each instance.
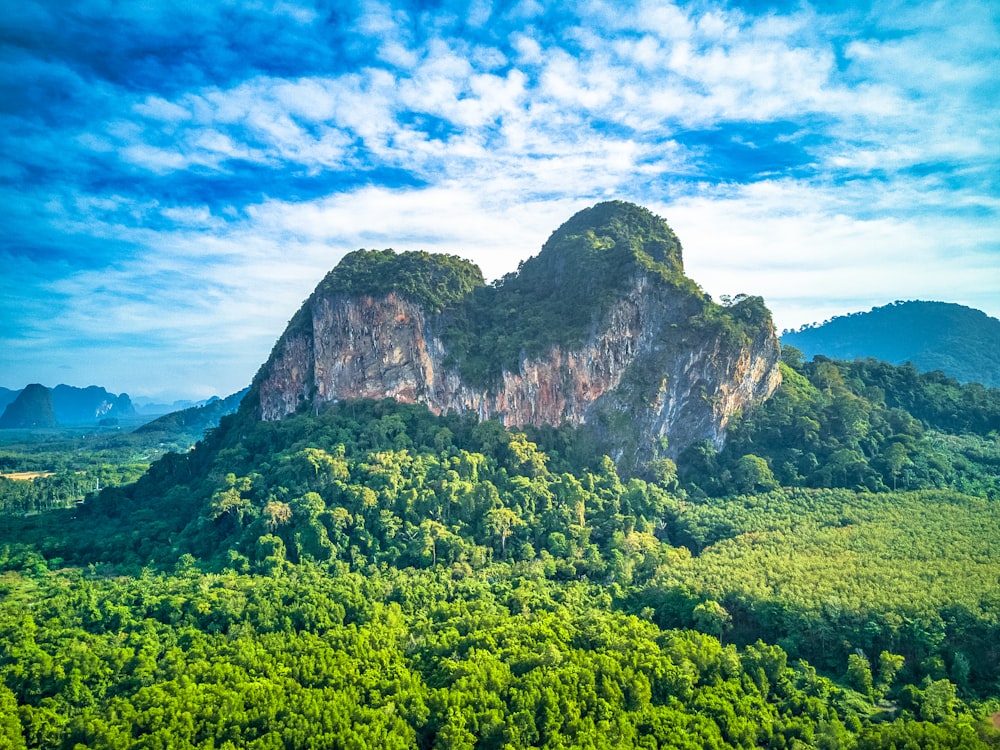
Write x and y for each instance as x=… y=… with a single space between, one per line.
x=176 y=177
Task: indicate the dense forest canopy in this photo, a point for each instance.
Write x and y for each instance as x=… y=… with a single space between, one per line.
x=286 y=582
x=369 y=574
x=862 y=425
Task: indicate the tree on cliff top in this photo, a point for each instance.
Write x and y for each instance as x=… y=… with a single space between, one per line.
x=435 y=281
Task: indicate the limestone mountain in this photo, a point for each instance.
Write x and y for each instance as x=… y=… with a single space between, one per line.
x=32 y=408
x=68 y=405
x=85 y=405
x=960 y=341
x=601 y=329
x=6 y=396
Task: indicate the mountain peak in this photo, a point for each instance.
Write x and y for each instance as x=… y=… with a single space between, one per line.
x=601 y=328
x=621 y=229
x=31 y=408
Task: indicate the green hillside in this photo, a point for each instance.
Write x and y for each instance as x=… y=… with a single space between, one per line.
x=285 y=583
x=959 y=341
x=369 y=574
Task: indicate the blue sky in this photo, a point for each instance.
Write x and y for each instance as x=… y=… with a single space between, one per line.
x=177 y=176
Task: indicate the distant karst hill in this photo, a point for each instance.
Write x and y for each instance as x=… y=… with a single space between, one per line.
x=959 y=341
x=31 y=408
x=6 y=396
x=63 y=405
x=601 y=328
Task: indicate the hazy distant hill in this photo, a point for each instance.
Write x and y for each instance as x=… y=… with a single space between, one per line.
x=31 y=408
x=187 y=426
x=64 y=405
x=962 y=342
x=155 y=408
x=84 y=405
x=6 y=397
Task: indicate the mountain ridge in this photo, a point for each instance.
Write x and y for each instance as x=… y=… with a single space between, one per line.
x=961 y=342
x=69 y=405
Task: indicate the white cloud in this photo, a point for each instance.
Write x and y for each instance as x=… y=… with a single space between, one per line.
x=805 y=251
x=506 y=135
x=157 y=108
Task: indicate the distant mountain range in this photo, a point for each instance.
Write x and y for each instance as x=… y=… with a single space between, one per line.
x=38 y=406
x=190 y=424
x=151 y=407
x=182 y=423
x=960 y=341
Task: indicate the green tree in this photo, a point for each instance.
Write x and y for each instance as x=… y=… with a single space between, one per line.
x=11 y=735
x=752 y=474
x=711 y=617
x=888 y=667
x=501 y=523
x=859 y=673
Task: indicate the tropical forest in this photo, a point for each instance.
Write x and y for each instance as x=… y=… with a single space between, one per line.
x=374 y=573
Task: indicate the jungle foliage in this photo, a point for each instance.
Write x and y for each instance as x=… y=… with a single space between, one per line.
x=286 y=582
x=863 y=425
x=318 y=658
x=370 y=574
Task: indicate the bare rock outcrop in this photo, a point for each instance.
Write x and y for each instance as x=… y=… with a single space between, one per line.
x=656 y=358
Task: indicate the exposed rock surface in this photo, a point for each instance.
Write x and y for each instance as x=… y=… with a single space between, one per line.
x=86 y=405
x=655 y=363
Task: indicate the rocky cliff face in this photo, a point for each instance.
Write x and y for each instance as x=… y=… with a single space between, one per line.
x=654 y=364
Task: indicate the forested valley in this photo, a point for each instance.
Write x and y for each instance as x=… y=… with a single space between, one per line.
x=369 y=574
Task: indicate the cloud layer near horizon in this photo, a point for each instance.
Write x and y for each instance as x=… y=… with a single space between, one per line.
x=178 y=176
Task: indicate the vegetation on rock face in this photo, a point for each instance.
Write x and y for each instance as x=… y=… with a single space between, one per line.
x=433 y=281
x=862 y=425
x=558 y=296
